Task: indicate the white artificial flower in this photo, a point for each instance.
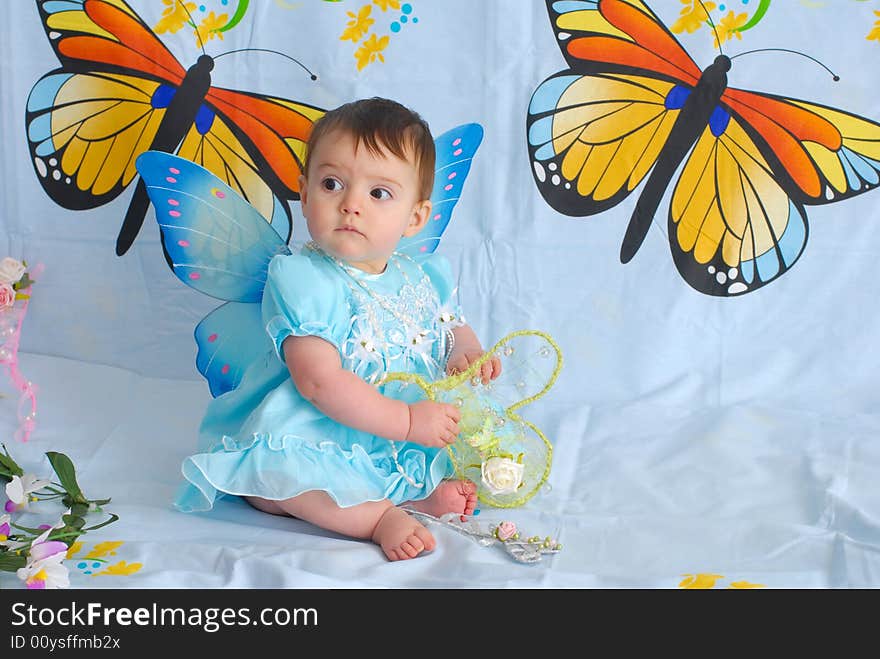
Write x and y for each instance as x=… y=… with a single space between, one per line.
x=20 y=488
x=501 y=475
x=44 y=569
x=11 y=270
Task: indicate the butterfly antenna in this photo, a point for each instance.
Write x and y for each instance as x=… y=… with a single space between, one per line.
x=834 y=76
x=193 y=23
x=712 y=25
x=268 y=50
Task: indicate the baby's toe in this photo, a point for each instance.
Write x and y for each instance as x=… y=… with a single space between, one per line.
x=425 y=538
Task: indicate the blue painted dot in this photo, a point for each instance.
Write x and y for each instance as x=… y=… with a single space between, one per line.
x=201 y=7
x=721 y=7
x=96 y=565
x=395 y=27
x=226 y=2
x=406 y=8
x=81 y=565
x=415 y=20
x=403 y=19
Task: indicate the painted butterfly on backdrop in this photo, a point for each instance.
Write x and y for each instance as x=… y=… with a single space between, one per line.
x=634 y=104
x=221 y=246
x=120 y=92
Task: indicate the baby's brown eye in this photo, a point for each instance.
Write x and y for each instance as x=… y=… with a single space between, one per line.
x=331 y=184
x=380 y=193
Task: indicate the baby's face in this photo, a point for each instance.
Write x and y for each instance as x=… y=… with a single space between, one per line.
x=358 y=204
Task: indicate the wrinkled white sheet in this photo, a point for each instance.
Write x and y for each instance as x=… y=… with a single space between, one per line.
x=642 y=495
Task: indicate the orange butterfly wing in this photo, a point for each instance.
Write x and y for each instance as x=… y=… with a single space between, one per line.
x=111 y=97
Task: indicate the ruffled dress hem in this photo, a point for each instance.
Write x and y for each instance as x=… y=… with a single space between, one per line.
x=232 y=469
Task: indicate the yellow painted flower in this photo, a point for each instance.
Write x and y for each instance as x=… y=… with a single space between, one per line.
x=693 y=16
x=120 y=569
x=385 y=4
x=874 y=34
x=370 y=51
x=745 y=584
x=73 y=550
x=210 y=27
x=699 y=581
x=358 y=25
x=103 y=548
x=729 y=26
x=174 y=16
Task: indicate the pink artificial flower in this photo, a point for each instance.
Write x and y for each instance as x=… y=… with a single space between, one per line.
x=7 y=296
x=5 y=529
x=505 y=531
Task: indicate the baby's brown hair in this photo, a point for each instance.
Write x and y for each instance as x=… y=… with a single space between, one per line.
x=382 y=124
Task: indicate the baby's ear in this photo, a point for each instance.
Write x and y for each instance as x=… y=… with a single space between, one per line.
x=421 y=213
x=303 y=184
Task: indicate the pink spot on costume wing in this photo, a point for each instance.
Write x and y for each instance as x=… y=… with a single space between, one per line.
x=225 y=369
x=183 y=243
x=212 y=338
x=457 y=141
x=194 y=276
x=174 y=170
x=174 y=202
x=447 y=187
x=174 y=213
x=171 y=179
x=457 y=152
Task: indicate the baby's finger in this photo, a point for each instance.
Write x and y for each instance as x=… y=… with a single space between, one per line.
x=452 y=412
x=486 y=371
x=496 y=367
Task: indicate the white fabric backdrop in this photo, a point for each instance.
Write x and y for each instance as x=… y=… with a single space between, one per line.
x=692 y=434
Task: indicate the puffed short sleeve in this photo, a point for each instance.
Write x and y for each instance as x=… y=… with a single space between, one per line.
x=302 y=297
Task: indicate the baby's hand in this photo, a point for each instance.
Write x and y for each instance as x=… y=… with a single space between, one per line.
x=433 y=424
x=490 y=369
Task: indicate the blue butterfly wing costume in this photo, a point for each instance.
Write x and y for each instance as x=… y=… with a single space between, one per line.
x=258 y=430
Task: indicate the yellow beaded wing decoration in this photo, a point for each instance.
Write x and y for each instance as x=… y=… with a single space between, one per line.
x=507 y=457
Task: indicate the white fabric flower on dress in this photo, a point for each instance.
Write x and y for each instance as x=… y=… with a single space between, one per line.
x=19 y=490
x=360 y=349
x=11 y=270
x=501 y=475
x=450 y=314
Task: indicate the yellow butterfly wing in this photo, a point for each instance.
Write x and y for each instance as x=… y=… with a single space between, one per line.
x=592 y=138
x=85 y=130
x=733 y=227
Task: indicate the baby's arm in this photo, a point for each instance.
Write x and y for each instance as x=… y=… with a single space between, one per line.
x=316 y=370
x=466 y=351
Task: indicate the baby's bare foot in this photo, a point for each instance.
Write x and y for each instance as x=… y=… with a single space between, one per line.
x=450 y=497
x=400 y=536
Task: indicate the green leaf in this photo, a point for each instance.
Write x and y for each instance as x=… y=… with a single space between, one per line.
x=78 y=509
x=74 y=521
x=11 y=561
x=9 y=464
x=67 y=475
x=113 y=518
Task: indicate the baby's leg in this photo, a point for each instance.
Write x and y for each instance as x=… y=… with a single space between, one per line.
x=458 y=496
x=398 y=534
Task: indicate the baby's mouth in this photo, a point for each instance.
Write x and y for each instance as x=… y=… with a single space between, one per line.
x=350 y=229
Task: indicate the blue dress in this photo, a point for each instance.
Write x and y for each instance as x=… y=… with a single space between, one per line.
x=264 y=439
